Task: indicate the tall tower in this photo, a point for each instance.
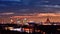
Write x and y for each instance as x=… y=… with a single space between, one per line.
x=47 y=21
x=11 y=20
x=25 y=20
x=18 y=21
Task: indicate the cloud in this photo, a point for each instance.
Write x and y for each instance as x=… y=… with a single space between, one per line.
x=3 y=5
x=54 y=6
x=45 y=1
x=49 y=14
x=10 y=0
x=7 y=13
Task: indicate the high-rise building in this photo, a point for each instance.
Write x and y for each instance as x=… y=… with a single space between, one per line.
x=18 y=21
x=25 y=20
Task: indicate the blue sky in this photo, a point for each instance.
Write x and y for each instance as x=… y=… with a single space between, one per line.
x=23 y=6
x=9 y=0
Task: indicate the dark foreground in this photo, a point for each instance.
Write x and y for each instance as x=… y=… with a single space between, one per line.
x=33 y=29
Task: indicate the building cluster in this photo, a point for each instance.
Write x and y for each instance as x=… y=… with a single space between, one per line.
x=36 y=18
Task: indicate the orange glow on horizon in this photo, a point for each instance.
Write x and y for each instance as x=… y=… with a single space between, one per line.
x=41 y=17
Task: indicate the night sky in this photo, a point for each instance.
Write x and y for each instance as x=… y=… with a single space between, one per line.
x=30 y=6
